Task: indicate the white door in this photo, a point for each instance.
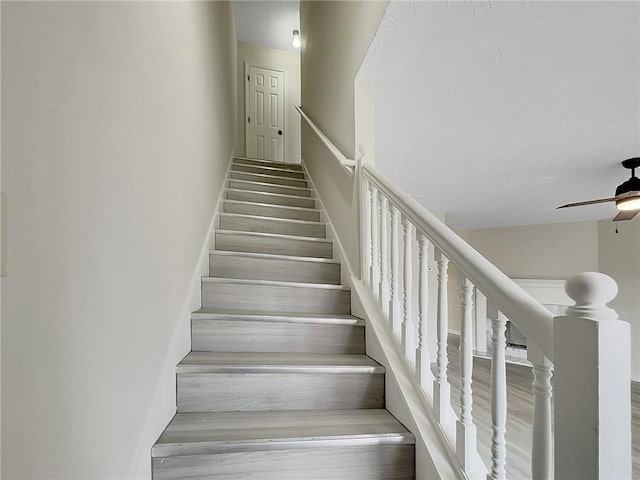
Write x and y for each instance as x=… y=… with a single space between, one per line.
x=265 y=114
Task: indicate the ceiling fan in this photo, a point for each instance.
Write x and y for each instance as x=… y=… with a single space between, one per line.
x=627 y=194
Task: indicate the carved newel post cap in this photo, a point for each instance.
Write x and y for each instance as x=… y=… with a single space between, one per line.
x=591 y=288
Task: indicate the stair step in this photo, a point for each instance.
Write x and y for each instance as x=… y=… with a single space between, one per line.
x=269 y=188
x=269 y=210
x=285 y=445
x=216 y=331
x=285 y=226
x=267 y=163
x=267 y=170
x=214 y=382
x=265 y=266
x=277 y=244
x=259 y=177
x=226 y=432
x=270 y=198
x=275 y=296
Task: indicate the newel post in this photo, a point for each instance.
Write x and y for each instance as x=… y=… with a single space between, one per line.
x=592 y=384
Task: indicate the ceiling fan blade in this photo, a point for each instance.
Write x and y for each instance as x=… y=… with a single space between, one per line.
x=626 y=215
x=589 y=202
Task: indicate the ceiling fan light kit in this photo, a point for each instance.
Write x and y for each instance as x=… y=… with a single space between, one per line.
x=627 y=194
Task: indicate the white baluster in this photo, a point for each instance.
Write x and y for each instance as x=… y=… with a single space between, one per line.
x=395 y=312
x=542 y=440
x=374 y=270
x=465 y=428
x=408 y=325
x=423 y=357
x=498 y=395
x=592 y=357
x=366 y=232
x=441 y=388
x=383 y=285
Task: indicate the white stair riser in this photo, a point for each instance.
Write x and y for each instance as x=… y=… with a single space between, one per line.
x=260 y=197
x=266 y=163
x=253 y=177
x=376 y=462
x=272 y=225
x=238 y=392
x=270 y=211
x=279 y=246
x=255 y=336
x=237 y=167
x=269 y=188
x=275 y=298
x=228 y=266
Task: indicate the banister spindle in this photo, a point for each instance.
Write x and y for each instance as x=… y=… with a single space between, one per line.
x=383 y=285
x=542 y=437
x=465 y=428
x=441 y=388
x=408 y=325
x=498 y=395
x=423 y=358
x=395 y=312
x=375 y=268
x=366 y=232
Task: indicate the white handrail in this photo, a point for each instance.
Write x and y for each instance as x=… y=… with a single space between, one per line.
x=344 y=161
x=527 y=314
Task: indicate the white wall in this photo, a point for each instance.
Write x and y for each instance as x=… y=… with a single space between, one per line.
x=118 y=122
x=619 y=257
x=281 y=60
x=553 y=251
x=335 y=39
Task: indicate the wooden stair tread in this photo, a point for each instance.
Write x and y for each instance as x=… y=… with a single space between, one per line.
x=278 y=317
x=273 y=283
x=272 y=219
x=270 y=205
x=268 y=163
x=208 y=362
x=250 y=182
x=224 y=432
x=273 y=235
x=274 y=256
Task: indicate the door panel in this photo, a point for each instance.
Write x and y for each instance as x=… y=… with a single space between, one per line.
x=265 y=114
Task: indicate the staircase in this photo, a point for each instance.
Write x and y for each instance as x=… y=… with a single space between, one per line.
x=277 y=385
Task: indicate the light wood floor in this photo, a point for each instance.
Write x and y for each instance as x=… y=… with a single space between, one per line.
x=519 y=412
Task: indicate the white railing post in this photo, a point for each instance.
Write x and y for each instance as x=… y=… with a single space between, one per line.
x=423 y=357
x=374 y=270
x=408 y=325
x=542 y=435
x=395 y=312
x=498 y=394
x=465 y=428
x=383 y=285
x=592 y=360
x=441 y=388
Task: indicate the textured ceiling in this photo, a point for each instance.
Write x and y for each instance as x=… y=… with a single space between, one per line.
x=497 y=112
x=268 y=23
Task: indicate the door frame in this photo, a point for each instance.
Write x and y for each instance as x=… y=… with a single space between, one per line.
x=247 y=87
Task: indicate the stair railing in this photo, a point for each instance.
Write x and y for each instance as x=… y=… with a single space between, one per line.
x=589 y=345
x=582 y=427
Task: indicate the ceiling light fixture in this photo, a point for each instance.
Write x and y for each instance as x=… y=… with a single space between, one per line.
x=296 y=39
x=627 y=204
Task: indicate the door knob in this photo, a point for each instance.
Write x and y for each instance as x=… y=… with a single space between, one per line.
x=279 y=132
